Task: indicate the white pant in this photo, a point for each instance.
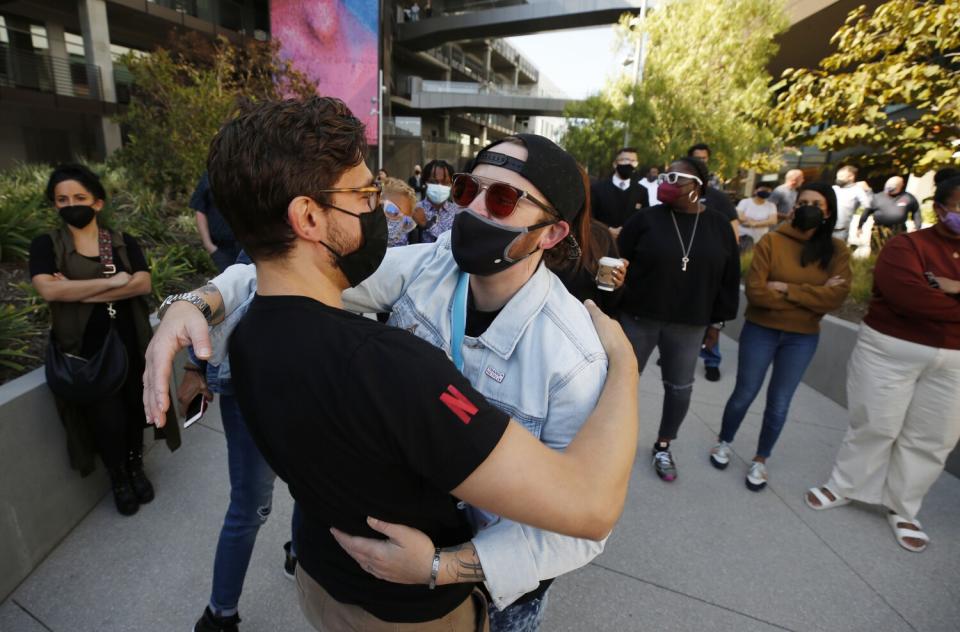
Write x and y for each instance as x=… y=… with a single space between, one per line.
x=904 y=404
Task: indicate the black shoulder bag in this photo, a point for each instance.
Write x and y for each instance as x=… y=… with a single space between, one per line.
x=84 y=381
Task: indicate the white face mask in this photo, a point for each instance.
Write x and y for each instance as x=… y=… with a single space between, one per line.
x=438 y=193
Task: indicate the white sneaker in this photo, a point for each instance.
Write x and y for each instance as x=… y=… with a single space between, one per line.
x=720 y=455
x=757 y=477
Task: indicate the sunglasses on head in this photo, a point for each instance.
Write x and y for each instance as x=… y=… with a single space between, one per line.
x=673 y=177
x=501 y=199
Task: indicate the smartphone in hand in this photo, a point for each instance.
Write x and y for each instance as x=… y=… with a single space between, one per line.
x=196 y=409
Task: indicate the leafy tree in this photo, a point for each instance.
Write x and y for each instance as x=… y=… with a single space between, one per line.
x=705 y=80
x=891 y=92
x=182 y=94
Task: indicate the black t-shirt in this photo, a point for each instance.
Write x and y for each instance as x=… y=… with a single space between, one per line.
x=720 y=202
x=657 y=287
x=892 y=210
x=478 y=321
x=361 y=420
x=43 y=261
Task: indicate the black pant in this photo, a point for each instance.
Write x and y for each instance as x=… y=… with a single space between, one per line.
x=679 y=349
x=117 y=421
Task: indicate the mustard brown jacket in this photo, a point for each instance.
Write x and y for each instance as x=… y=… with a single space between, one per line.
x=776 y=257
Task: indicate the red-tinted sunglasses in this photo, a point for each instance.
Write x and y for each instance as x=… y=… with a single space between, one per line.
x=501 y=199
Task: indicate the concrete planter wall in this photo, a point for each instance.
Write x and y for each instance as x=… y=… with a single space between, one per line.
x=827 y=372
x=41 y=498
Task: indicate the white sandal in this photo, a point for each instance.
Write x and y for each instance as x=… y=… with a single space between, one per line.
x=824 y=500
x=901 y=533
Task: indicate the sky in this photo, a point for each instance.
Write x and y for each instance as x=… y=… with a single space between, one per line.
x=577 y=61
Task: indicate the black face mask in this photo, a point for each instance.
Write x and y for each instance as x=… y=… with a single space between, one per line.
x=480 y=246
x=78 y=215
x=807 y=217
x=763 y=195
x=625 y=171
x=364 y=261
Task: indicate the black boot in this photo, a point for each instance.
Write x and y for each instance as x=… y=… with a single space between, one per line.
x=123 y=493
x=138 y=479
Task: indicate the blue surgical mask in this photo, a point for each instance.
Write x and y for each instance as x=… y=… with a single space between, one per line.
x=438 y=193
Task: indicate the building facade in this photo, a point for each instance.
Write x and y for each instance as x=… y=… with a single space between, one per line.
x=61 y=79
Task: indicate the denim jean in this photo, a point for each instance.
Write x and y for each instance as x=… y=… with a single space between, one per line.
x=711 y=357
x=524 y=617
x=251 y=498
x=679 y=346
x=760 y=347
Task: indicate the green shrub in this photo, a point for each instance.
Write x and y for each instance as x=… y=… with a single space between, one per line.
x=861 y=288
x=169 y=270
x=24 y=211
x=746 y=259
x=35 y=304
x=17 y=330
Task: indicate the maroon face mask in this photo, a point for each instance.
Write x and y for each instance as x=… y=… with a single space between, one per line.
x=669 y=193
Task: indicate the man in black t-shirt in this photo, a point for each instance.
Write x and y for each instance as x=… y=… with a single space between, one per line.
x=317 y=385
x=890 y=210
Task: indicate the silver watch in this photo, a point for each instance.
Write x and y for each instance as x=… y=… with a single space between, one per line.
x=191 y=297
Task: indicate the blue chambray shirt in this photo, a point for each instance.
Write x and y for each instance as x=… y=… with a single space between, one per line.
x=540 y=361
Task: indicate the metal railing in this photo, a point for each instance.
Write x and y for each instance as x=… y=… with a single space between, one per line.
x=456 y=7
x=502 y=122
x=456 y=58
x=467 y=87
x=509 y=52
x=225 y=13
x=33 y=70
x=403 y=126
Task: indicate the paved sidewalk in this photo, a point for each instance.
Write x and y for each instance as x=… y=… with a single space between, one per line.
x=702 y=553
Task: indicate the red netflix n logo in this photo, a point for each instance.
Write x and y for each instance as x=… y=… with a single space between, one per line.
x=458 y=404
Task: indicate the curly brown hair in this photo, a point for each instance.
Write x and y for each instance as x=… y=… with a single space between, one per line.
x=273 y=152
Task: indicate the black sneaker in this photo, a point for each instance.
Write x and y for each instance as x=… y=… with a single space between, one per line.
x=663 y=463
x=289 y=561
x=142 y=487
x=211 y=623
x=123 y=494
x=712 y=373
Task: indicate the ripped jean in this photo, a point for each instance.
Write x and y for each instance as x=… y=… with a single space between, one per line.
x=522 y=617
x=679 y=346
x=251 y=498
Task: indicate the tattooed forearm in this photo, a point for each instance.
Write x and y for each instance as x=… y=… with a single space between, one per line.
x=460 y=564
x=212 y=296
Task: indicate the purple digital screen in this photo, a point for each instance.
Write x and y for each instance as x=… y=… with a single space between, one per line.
x=336 y=44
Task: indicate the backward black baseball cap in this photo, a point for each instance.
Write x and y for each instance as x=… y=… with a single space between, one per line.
x=551 y=169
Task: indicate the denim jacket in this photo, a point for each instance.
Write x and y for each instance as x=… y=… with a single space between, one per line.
x=540 y=361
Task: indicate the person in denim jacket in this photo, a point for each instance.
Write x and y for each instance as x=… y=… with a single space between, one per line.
x=528 y=346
